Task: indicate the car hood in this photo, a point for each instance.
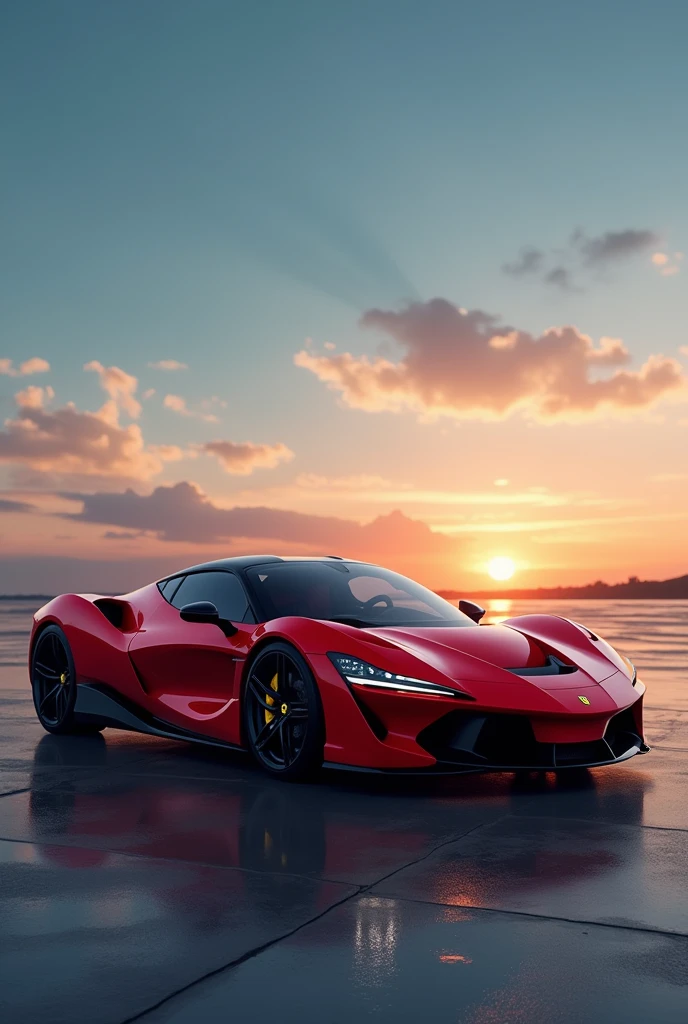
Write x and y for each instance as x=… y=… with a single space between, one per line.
x=497 y=645
x=479 y=652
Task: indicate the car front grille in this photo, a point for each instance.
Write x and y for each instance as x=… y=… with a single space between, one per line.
x=508 y=741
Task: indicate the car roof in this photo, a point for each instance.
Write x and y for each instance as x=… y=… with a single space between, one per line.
x=246 y=561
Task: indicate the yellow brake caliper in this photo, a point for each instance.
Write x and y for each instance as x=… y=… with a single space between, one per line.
x=273 y=686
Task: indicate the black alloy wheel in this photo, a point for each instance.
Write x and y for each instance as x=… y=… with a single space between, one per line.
x=53 y=683
x=282 y=713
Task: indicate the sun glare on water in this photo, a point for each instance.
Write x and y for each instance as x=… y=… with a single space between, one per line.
x=501 y=568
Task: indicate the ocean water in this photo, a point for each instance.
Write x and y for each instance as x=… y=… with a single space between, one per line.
x=653 y=634
x=15 y=627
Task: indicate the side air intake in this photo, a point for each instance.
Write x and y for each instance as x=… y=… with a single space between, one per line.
x=118 y=613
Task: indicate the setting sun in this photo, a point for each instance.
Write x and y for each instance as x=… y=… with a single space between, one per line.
x=501 y=568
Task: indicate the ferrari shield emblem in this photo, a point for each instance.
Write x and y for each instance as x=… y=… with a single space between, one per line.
x=583 y=700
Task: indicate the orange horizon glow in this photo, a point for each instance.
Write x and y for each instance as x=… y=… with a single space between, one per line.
x=556 y=519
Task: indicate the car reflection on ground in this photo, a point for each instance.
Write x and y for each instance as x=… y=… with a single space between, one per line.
x=204 y=812
x=330 y=832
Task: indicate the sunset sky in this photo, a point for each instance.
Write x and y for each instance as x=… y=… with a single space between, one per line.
x=397 y=280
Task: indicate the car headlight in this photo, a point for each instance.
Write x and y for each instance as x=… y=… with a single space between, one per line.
x=361 y=673
x=632 y=671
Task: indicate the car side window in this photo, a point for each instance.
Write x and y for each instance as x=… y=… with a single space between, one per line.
x=169 y=587
x=223 y=589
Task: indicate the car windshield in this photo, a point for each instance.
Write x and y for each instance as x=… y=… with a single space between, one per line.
x=363 y=595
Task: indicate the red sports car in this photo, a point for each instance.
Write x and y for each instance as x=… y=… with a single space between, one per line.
x=306 y=662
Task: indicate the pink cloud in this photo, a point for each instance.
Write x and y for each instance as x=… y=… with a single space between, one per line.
x=70 y=442
x=182 y=512
x=167 y=452
x=34 y=397
x=179 y=405
x=466 y=365
x=168 y=364
x=120 y=386
x=241 y=458
x=25 y=369
x=668 y=265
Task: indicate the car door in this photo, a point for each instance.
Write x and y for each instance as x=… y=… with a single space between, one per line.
x=192 y=668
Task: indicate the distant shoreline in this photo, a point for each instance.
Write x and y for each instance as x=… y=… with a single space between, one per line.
x=633 y=590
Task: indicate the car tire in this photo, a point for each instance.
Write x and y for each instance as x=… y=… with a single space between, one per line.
x=53 y=684
x=286 y=742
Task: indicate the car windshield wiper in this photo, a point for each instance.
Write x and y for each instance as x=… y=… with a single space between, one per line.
x=349 y=620
x=352 y=620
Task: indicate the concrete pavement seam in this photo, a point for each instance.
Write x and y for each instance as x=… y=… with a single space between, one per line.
x=249 y=955
x=430 y=853
x=538 y=917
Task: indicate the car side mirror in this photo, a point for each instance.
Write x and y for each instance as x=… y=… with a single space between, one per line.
x=472 y=610
x=205 y=611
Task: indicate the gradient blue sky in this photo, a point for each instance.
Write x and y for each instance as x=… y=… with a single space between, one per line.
x=213 y=182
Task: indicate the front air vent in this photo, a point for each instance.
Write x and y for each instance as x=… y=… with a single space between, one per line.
x=496 y=740
x=552 y=667
x=622 y=731
x=376 y=725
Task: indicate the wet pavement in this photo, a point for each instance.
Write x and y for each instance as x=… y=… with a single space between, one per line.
x=144 y=879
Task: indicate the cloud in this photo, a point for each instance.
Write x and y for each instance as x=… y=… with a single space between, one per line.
x=6 y=505
x=25 y=369
x=582 y=253
x=560 y=277
x=168 y=364
x=466 y=366
x=613 y=245
x=178 y=404
x=120 y=386
x=528 y=261
x=148 y=393
x=536 y=526
x=34 y=397
x=667 y=265
x=182 y=512
x=167 y=452
x=242 y=458
x=213 y=402
x=71 y=442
